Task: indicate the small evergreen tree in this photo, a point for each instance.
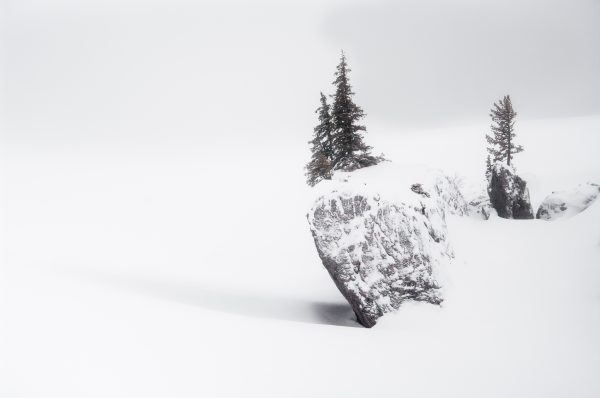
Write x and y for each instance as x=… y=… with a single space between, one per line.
x=502 y=146
x=319 y=166
x=349 y=150
x=324 y=130
x=488 y=168
x=318 y=169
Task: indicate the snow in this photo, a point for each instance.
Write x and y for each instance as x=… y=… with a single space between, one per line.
x=175 y=272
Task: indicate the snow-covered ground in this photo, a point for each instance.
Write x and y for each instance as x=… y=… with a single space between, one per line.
x=162 y=272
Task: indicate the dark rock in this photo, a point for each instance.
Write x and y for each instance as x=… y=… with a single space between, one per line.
x=508 y=193
x=418 y=189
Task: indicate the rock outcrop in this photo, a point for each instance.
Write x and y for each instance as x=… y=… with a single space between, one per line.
x=379 y=252
x=480 y=207
x=508 y=193
x=569 y=202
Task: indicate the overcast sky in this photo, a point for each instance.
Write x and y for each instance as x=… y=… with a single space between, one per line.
x=78 y=71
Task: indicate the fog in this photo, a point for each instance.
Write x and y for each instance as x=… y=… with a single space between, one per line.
x=446 y=61
x=176 y=73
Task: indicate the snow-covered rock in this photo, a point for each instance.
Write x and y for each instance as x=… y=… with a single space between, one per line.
x=569 y=202
x=480 y=207
x=383 y=249
x=508 y=193
x=448 y=195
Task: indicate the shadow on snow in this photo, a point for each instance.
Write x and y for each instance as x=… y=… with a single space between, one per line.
x=244 y=304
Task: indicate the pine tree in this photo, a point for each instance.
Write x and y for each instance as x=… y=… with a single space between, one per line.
x=349 y=150
x=319 y=166
x=502 y=146
x=324 y=130
x=488 y=168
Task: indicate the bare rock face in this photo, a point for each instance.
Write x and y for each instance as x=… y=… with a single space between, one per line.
x=380 y=253
x=508 y=193
x=569 y=202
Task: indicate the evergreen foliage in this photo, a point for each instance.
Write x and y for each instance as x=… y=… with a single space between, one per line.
x=502 y=147
x=488 y=168
x=319 y=166
x=349 y=150
x=338 y=143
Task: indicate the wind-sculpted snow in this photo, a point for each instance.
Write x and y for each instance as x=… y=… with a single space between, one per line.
x=381 y=252
x=508 y=193
x=569 y=202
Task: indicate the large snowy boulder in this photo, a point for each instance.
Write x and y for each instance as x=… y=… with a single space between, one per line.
x=569 y=202
x=383 y=248
x=508 y=193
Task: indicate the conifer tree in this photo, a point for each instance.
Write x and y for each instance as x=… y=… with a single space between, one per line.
x=318 y=169
x=349 y=150
x=319 y=166
x=502 y=146
x=488 y=167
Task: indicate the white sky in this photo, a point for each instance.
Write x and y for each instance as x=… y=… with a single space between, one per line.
x=88 y=70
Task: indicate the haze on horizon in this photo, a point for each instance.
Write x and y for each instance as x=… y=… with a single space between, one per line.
x=102 y=71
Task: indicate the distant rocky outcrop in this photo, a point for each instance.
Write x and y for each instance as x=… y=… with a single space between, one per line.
x=567 y=203
x=480 y=207
x=508 y=193
x=379 y=252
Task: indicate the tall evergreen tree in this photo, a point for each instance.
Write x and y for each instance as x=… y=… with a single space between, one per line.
x=319 y=166
x=502 y=146
x=349 y=150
